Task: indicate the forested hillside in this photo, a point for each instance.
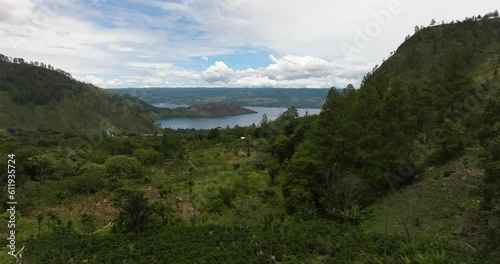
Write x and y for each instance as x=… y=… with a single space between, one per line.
x=419 y=108
x=38 y=97
x=434 y=101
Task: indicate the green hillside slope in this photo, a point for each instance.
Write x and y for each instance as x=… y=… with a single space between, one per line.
x=431 y=109
x=34 y=98
x=429 y=50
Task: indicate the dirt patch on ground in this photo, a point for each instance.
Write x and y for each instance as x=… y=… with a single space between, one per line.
x=475 y=172
x=102 y=208
x=151 y=192
x=186 y=209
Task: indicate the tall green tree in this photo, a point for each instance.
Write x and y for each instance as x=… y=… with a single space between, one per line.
x=135 y=213
x=171 y=145
x=88 y=221
x=489 y=187
x=39 y=219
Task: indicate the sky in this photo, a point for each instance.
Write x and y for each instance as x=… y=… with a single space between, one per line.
x=218 y=43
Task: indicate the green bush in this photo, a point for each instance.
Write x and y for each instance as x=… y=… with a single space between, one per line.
x=124 y=166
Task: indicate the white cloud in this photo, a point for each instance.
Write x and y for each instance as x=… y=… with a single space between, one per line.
x=296 y=67
x=163 y=70
x=119 y=48
x=144 y=56
x=107 y=53
x=91 y=79
x=287 y=71
x=183 y=74
x=159 y=47
x=97 y=2
x=149 y=65
x=151 y=82
x=218 y=73
x=100 y=82
x=319 y=27
x=169 y=6
x=16 y=10
x=304 y=71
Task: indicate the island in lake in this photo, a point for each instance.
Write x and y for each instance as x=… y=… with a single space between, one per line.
x=219 y=109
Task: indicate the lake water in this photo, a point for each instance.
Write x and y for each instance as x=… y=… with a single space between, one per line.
x=167 y=105
x=231 y=121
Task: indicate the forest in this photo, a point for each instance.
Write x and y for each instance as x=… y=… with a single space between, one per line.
x=266 y=97
x=219 y=196
x=403 y=169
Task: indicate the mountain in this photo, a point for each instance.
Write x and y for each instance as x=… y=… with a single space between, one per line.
x=427 y=53
x=35 y=98
x=216 y=109
x=45 y=99
x=263 y=97
x=431 y=110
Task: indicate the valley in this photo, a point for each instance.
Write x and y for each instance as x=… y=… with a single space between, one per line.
x=404 y=168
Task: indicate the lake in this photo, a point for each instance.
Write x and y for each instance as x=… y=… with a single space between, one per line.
x=231 y=121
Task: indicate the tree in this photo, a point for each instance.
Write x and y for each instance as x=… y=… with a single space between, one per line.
x=4 y=58
x=39 y=219
x=61 y=196
x=88 y=222
x=282 y=148
x=135 y=212
x=147 y=157
x=264 y=120
x=90 y=179
x=41 y=166
x=248 y=211
x=171 y=145
x=213 y=134
x=87 y=184
x=451 y=138
x=124 y=166
x=190 y=184
x=64 y=168
x=290 y=113
x=163 y=191
x=93 y=169
x=298 y=181
x=273 y=170
x=163 y=209
x=396 y=116
x=433 y=22
x=489 y=186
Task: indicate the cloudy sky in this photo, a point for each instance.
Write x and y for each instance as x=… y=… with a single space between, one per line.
x=218 y=43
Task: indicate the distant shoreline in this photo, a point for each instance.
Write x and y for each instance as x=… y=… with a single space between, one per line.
x=259 y=97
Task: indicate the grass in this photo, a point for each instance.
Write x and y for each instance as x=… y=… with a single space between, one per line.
x=434 y=205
